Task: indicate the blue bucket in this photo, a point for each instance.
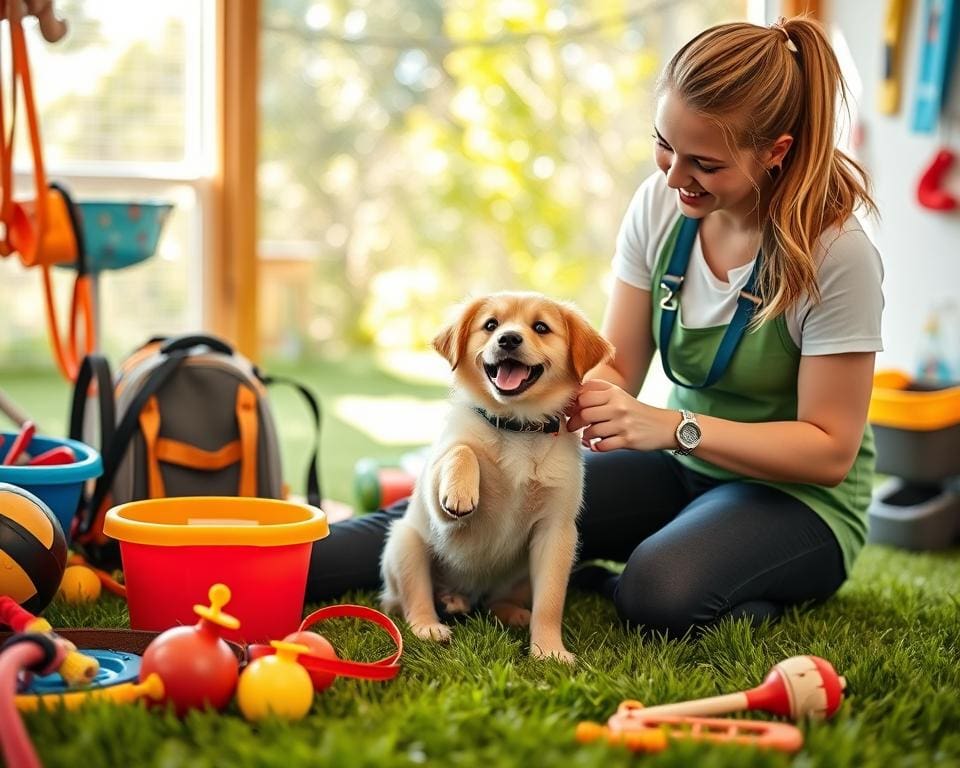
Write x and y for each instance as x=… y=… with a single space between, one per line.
x=120 y=234
x=58 y=485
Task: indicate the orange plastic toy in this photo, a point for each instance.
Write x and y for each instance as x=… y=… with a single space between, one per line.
x=637 y=729
x=80 y=585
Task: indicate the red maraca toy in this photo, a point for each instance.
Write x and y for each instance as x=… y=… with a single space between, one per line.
x=196 y=664
x=798 y=687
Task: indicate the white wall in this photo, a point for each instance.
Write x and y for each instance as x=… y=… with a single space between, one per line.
x=920 y=248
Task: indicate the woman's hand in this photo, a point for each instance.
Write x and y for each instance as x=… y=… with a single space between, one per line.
x=612 y=418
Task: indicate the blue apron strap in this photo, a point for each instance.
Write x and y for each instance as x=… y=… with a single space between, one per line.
x=673 y=276
x=672 y=281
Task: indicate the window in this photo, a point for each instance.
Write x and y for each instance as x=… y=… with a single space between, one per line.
x=412 y=152
x=126 y=103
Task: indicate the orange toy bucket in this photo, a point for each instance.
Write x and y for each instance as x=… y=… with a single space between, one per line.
x=174 y=549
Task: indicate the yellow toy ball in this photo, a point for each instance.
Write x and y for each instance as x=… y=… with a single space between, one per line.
x=80 y=585
x=33 y=549
x=276 y=685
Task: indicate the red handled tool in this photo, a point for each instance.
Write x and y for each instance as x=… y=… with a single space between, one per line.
x=20 y=443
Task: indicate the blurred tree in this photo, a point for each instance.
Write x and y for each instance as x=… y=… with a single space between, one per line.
x=433 y=149
x=139 y=106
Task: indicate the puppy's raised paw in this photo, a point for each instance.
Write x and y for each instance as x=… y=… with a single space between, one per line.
x=458 y=500
x=560 y=654
x=439 y=633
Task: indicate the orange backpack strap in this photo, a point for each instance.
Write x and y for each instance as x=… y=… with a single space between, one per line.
x=244 y=450
x=248 y=424
x=186 y=455
x=150 y=427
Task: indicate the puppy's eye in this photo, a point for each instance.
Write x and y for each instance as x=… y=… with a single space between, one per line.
x=491 y=324
x=541 y=327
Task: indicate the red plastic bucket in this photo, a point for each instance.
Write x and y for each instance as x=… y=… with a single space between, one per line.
x=174 y=549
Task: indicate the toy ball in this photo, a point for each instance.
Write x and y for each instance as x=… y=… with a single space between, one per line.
x=319 y=646
x=276 y=685
x=196 y=665
x=33 y=549
x=80 y=585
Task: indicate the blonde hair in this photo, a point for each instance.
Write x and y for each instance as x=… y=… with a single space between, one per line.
x=758 y=83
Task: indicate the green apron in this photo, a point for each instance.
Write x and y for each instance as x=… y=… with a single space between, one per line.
x=760 y=385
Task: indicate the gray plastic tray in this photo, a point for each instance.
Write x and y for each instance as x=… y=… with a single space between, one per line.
x=912 y=516
x=919 y=457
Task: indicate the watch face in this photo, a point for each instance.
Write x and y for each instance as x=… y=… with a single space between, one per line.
x=689 y=434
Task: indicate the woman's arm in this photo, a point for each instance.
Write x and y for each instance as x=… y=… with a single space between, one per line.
x=626 y=324
x=833 y=394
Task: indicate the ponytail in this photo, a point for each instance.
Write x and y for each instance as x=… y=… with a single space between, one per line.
x=788 y=80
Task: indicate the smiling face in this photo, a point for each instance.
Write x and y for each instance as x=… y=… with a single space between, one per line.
x=520 y=354
x=708 y=174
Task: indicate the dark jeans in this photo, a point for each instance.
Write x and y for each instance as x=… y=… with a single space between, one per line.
x=696 y=549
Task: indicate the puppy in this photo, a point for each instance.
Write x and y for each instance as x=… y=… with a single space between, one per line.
x=492 y=519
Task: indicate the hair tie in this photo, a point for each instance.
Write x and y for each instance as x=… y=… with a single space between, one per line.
x=778 y=25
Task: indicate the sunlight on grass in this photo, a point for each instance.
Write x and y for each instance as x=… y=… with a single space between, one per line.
x=417 y=366
x=393 y=420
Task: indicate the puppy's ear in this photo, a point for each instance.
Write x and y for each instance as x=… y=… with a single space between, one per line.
x=587 y=347
x=451 y=342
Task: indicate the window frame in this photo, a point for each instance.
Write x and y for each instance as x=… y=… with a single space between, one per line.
x=210 y=103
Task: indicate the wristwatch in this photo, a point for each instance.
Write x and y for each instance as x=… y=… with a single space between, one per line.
x=688 y=434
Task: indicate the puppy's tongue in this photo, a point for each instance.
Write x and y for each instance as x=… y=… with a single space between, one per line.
x=511 y=375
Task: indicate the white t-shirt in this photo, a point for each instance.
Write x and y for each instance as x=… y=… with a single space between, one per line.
x=846 y=319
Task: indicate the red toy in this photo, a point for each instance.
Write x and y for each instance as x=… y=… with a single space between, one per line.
x=14 y=739
x=378 y=486
x=322 y=662
x=318 y=647
x=930 y=191
x=62 y=454
x=195 y=663
x=20 y=443
x=798 y=687
x=19 y=657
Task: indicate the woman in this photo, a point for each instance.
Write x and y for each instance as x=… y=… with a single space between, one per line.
x=742 y=262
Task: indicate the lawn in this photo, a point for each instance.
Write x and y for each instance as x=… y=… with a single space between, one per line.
x=893 y=631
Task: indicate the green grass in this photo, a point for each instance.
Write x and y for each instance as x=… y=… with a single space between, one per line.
x=893 y=631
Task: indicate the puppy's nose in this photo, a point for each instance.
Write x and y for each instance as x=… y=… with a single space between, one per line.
x=510 y=340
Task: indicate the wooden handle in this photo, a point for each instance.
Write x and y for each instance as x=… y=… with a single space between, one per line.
x=715 y=705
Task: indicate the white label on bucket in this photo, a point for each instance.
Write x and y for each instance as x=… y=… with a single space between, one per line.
x=220 y=521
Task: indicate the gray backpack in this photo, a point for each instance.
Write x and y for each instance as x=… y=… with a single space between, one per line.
x=185 y=416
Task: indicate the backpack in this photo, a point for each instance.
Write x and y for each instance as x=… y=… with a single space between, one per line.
x=185 y=416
